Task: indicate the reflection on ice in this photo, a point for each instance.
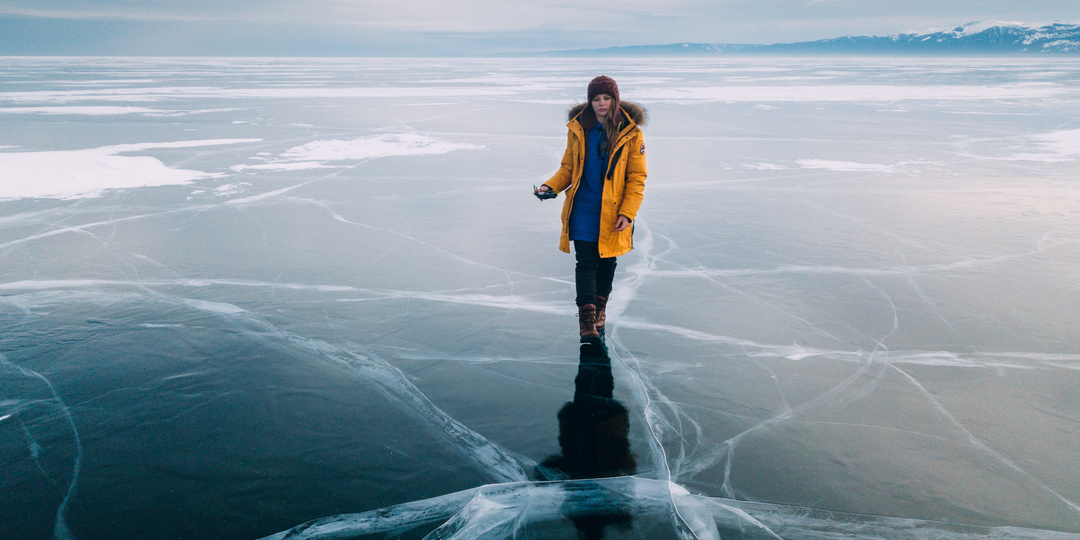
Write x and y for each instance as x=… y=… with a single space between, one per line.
x=594 y=427
x=594 y=432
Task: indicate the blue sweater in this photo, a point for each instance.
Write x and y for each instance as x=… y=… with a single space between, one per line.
x=585 y=214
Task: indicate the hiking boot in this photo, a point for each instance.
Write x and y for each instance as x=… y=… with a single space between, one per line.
x=587 y=323
x=601 y=312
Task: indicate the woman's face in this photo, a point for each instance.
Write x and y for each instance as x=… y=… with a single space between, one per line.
x=601 y=104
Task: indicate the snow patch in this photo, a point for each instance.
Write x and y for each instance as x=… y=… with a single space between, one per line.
x=202 y=92
x=971 y=29
x=96 y=110
x=282 y=166
x=106 y=110
x=1064 y=45
x=1057 y=146
x=315 y=154
x=214 y=307
x=844 y=166
x=968 y=29
x=230 y=189
x=72 y=174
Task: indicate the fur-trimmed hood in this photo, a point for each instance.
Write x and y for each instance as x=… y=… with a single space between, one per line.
x=636 y=112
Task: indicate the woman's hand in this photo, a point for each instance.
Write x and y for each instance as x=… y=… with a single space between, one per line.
x=621 y=223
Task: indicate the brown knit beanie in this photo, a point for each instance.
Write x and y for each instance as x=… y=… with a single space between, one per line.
x=603 y=85
x=606 y=85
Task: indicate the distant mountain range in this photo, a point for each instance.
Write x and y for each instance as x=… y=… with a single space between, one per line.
x=970 y=39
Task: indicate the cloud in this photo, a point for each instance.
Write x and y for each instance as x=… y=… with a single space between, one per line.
x=400 y=15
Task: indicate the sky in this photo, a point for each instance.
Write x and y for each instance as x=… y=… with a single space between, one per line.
x=469 y=27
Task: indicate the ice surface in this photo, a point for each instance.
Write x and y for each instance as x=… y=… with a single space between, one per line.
x=314 y=298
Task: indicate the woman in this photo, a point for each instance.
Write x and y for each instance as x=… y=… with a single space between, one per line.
x=603 y=175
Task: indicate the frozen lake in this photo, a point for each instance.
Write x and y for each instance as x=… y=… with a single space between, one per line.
x=314 y=298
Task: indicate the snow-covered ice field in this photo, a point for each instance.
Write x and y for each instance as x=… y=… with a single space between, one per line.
x=314 y=298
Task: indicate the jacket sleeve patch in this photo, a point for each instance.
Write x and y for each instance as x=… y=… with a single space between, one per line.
x=642 y=149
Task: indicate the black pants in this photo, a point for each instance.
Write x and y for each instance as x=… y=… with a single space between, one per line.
x=593 y=273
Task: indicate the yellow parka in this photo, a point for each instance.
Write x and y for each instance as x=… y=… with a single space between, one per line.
x=624 y=182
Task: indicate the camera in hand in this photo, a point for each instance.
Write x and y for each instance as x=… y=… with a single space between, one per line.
x=549 y=194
